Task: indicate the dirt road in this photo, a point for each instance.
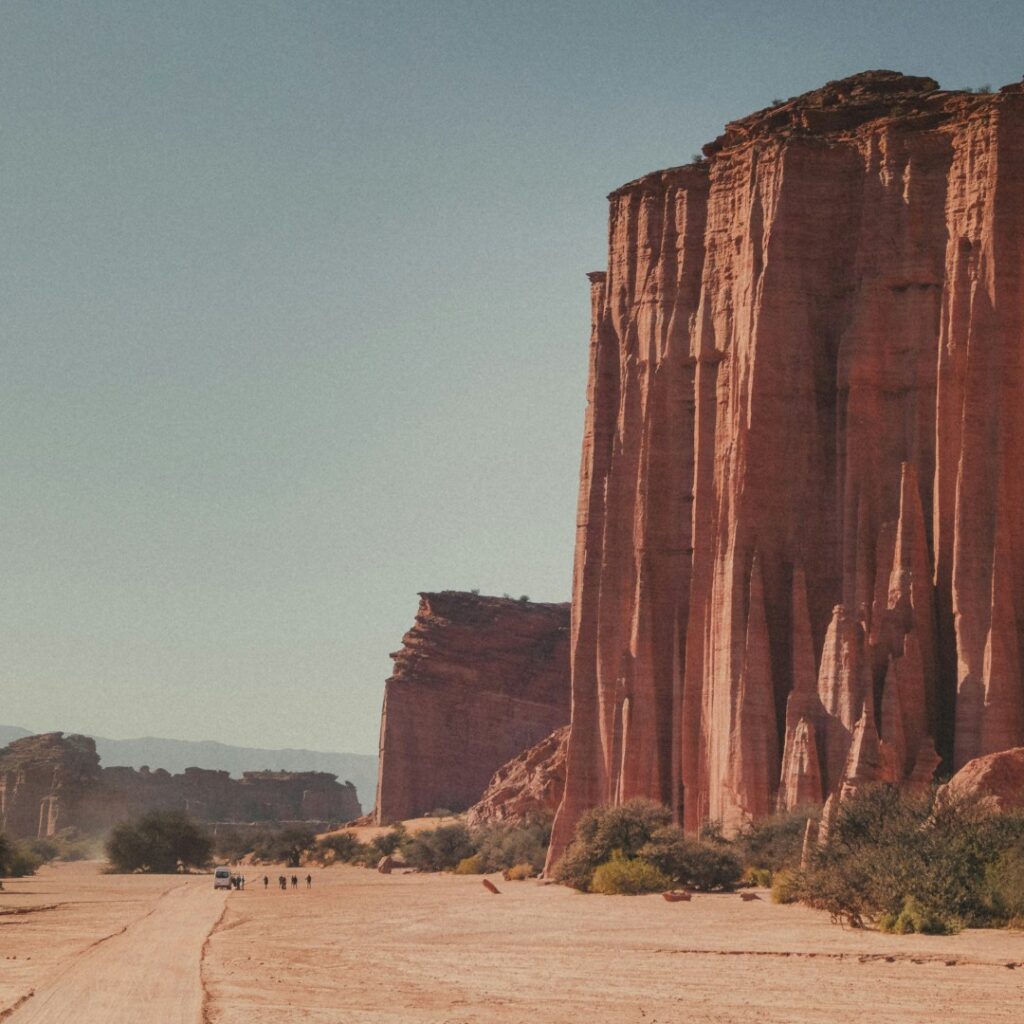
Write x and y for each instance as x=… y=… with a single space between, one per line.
x=147 y=972
x=364 y=948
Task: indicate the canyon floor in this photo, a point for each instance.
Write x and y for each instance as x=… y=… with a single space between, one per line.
x=79 y=945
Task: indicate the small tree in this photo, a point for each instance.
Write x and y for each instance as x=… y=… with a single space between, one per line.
x=438 y=849
x=691 y=862
x=287 y=844
x=16 y=859
x=603 y=831
x=160 y=842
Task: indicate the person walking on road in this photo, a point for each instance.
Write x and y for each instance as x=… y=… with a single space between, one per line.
x=309 y=881
x=266 y=882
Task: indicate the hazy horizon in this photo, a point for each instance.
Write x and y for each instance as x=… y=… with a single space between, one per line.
x=297 y=321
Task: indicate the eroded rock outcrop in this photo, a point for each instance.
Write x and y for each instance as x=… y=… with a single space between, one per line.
x=478 y=681
x=52 y=781
x=799 y=501
x=995 y=781
x=528 y=786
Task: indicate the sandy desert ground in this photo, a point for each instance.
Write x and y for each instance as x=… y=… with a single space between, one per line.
x=77 y=945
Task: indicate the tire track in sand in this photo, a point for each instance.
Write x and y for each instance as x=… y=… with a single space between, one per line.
x=147 y=972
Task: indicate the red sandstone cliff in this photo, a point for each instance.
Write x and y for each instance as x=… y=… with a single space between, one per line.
x=51 y=782
x=800 y=545
x=477 y=681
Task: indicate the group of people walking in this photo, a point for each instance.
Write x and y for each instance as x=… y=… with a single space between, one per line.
x=282 y=881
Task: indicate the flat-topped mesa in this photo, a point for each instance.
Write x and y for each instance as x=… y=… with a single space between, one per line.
x=51 y=782
x=478 y=680
x=806 y=369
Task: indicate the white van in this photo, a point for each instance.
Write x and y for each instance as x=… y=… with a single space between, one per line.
x=222 y=878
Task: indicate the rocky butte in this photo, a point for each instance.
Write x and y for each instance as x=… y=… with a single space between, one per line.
x=800 y=547
x=51 y=782
x=477 y=681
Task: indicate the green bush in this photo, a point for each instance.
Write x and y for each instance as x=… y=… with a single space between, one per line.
x=711 y=832
x=628 y=876
x=44 y=850
x=916 y=918
x=341 y=846
x=17 y=859
x=885 y=849
x=601 y=832
x=502 y=845
x=785 y=887
x=286 y=845
x=775 y=843
x=691 y=862
x=161 y=842
x=437 y=849
x=759 y=878
x=1004 y=884
x=471 y=865
x=388 y=843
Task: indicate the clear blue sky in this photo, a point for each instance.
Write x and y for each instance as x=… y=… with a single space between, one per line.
x=294 y=320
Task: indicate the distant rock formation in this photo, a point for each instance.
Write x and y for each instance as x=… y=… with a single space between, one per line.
x=477 y=681
x=530 y=785
x=800 y=545
x=44 y=780
x=51 y=782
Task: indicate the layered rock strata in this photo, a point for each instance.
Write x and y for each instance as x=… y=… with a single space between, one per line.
x=51 y=782
x=478 y=680
x=800 y=545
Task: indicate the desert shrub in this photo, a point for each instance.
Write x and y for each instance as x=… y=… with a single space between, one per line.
x=471 y=865
x=44 y=850
x=886 y=849
x=341 y=846
x=388 y=843
x=628 y=876
x=711 y=831
x=691 y=862
x=16 y=859
x=916 y=918
x=760 y=878
x=286 y=845
x=603 y=831
x=774 y=843
x=161 y=842
x=785 y=886
x=520 y=872
x=437 y=849
x=440 y=812
x=1004 y=885
x=502 y=845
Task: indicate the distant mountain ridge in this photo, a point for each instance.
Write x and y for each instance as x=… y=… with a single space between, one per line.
x=177 y=755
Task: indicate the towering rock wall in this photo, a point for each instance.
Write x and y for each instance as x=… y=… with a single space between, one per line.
x=800 y=546
x=477 y=681
x=51 y=782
